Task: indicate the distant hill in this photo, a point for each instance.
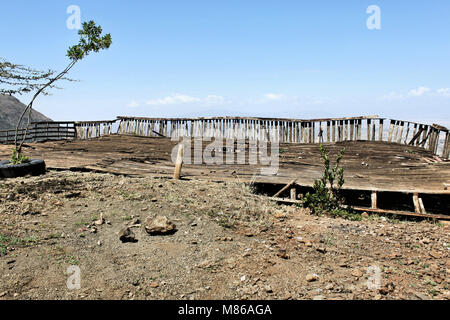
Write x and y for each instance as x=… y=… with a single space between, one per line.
x=10 y=111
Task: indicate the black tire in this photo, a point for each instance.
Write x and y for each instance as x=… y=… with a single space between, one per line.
x=34 y=167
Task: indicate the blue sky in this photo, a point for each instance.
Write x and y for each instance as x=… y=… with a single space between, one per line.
x=264 y=58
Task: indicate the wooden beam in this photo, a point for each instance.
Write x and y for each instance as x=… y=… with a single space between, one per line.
x=285 y=188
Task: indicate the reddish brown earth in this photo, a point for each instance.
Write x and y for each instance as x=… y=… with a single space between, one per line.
x=230 y=244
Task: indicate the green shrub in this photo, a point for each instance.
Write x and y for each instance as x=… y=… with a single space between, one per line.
x=18 y=158
x=326 y=196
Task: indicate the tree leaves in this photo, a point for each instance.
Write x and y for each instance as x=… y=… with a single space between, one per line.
x=91 y=40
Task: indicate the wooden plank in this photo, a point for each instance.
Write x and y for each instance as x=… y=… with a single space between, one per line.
x=404 y=213
x=391 y=130
x=285 y=188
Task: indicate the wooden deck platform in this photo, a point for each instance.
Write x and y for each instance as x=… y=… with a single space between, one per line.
x=369 y=165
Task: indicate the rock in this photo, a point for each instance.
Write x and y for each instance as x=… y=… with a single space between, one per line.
x=421 y=296
x=159 y=225
x=280 y=215
x=364 y=215
x=268 y=289
x=329 y=286
x=126 y=235
x=389 y=287
x=319 y=297
x=435 y=254
x=312 y=277
x=283 y=254
x=322 y=249
x=357 y=273
x=426 y=241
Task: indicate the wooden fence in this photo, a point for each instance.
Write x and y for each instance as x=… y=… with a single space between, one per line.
x=434 y=138
x=94 y=129
x=41 y=131
x=44 y=131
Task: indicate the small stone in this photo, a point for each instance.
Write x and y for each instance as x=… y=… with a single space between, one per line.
x=421 y=296
x=100 y=221
x=329 y=286
x=243 y=278
x=435 y=254
x=154 y=285
x=126 y=235
x=319 y=297
x=159 y=225
x=280 y=215
x=364 y=215
x=322 y=249
x=283 y=254
x=312 y=277
x=268 y=289
x=99 y=243
x=3 y=294
x=357 y=273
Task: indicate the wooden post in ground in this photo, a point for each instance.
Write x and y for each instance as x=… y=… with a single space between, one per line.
x=422 y=207
x=179 y=162
x=416 y=203
x=293 y=193
x=380 y=132
x=374 y=200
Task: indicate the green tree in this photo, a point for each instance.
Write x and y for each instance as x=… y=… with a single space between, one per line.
x=19 y=79
x=91 y=40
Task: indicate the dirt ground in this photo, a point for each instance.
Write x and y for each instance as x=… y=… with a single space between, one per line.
x=229 y=244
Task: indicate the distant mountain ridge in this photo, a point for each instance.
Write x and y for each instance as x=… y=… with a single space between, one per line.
x=11 y=109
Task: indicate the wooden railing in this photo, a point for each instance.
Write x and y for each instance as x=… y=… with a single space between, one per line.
x=434 y=138
x=41 y=131
x=94 y=129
